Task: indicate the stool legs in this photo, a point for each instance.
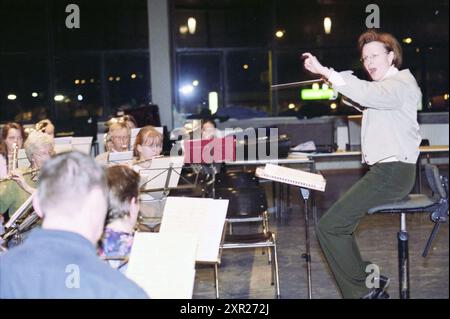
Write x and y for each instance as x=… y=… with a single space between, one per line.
x=403 y=258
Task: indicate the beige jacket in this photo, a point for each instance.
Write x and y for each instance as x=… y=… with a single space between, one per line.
x=389 y=124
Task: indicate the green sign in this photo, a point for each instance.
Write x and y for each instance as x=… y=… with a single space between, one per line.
x=319 y=94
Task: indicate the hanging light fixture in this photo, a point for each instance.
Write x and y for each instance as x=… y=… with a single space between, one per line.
x=192 y=25
x=327 y=25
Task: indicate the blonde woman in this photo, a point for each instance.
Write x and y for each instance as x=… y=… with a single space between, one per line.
x=39 y=147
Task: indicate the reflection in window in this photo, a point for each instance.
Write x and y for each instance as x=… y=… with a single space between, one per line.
x=127 y=78
x=198 y=75
x=231 y=23
x=23 y=88
x=77 y=86
x=437 y=78
x=289 y=68
x=248 y=79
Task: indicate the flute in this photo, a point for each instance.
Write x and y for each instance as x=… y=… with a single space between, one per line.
x=146 y=160
x=27 y=172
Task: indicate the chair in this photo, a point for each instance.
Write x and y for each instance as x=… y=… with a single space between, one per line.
x=437 y=206
x=236 y=180
x=248 y=205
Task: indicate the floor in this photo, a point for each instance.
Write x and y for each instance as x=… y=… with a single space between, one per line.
x=246 y=274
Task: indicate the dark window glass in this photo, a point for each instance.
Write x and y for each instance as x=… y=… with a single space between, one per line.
x=23 y=25
x=128 y=82
x=24 y=95
x=78 y=86
x=231 y=23
x=198 y=75
x=104 y=25
x=437 y=78
x=248 y=79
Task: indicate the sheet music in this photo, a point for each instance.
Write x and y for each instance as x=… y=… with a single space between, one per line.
x=292 y=176
x=69 y=143
x=155 y=177
x=120 y=157
x=204 y=217
x=164 y=266
x=82 y=144
x=62 y=148
x=63 y=140
x=22 y=159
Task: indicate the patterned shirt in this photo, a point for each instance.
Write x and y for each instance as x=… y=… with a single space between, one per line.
x=116 y=244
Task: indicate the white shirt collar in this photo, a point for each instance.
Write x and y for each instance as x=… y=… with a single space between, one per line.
x=391 y=72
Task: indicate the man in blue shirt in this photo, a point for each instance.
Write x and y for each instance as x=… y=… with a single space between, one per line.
x=60 y=260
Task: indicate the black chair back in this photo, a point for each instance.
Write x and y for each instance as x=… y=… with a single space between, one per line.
x=244 y=202
x=236 y=180
x=438 y=184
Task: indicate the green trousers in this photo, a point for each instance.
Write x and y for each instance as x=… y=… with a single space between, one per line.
x=383 y=183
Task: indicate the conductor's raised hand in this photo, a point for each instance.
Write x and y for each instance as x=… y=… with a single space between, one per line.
x=314 y=66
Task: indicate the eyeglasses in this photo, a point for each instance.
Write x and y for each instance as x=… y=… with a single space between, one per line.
x=152 y=146
x=371 y=57
x=123 y=138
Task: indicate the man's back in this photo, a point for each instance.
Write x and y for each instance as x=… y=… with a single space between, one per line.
x=60 y=264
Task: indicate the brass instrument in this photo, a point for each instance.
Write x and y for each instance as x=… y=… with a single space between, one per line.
x=22 y=220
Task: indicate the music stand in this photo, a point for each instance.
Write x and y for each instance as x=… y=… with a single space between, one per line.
x=209 y=153
x=306 y=182
x=163 y=174
x=156 y=183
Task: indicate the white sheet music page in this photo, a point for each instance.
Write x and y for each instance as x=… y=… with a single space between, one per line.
x=155 y=177
x=82 y=144
x=202 y=217
x=164 y=266
x=120 y=157
x=292 y=176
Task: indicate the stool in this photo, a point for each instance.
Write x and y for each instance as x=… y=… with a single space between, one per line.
x=437 y=206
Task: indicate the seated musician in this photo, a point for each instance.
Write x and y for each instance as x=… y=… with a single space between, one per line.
x=12 y=133
x=209 y=129
x=39 y=147
x=148 y=145
x=123 y=209
x=130 y=121
x=60 y=259
x=119 y=135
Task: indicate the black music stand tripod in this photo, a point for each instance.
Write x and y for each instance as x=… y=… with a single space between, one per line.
x=305 y=193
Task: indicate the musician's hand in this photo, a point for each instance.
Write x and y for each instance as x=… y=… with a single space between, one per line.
x=17 y=176
x=313 y=65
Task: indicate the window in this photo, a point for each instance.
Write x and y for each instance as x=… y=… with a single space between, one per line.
x=248 y=79
x=24 y=95
x=128 y=82
x=198 y=75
